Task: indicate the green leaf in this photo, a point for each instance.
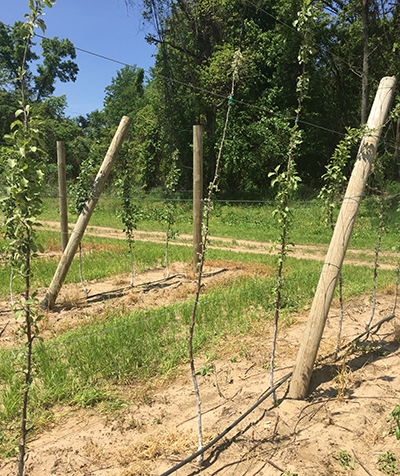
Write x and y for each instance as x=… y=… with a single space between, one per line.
x=19 y=313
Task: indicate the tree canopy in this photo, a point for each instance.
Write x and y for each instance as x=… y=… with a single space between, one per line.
x=350 y=45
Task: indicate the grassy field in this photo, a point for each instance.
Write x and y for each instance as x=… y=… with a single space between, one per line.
x=84 y=366
x=252 y=221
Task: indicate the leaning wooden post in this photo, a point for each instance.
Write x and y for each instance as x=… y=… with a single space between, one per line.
x=62 y=193
x=84 y=217
x=340 y=240
x=197 y=194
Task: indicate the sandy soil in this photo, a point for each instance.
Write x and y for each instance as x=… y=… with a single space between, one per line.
x=347 y=410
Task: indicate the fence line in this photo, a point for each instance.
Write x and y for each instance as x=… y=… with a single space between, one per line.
x=235 y=201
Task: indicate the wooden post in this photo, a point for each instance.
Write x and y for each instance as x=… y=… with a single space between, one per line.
x=340 y=240
x=84 y=217
x=62 y=193
x=197 y=194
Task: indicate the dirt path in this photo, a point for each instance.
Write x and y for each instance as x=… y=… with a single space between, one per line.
x=313 y=252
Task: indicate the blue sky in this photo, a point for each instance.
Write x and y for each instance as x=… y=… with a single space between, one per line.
x=105 y=27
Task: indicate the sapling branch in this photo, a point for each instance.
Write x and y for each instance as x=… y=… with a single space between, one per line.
x=170 y=208
x=330 y=194
x=208 y=206
x=381 y=205
x=80 y=271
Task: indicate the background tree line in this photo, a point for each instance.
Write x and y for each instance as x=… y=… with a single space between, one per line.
x=353 y=43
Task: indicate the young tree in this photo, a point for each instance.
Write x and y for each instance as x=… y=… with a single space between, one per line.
x=21 y=206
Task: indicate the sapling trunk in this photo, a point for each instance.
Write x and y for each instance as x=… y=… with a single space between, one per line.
x=376 y=265
x=279 y=287
x=21 y=205
x=80 y=270
x=287 y=182
x=166 y=250
x=132 y=267
x=11 y=287
x=336 y=351
x=28 y=354
x=396 y=288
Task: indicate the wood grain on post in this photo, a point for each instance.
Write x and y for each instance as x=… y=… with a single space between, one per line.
x=337 y=249
x=84 y=217
x=197 y=194
x=62 y=193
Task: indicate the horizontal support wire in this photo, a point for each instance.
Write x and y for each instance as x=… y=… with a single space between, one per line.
x=228 y=201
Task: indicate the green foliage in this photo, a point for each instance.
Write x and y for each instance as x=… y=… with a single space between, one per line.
x=388 y=463
x=395 y=422
x=129 y=211
x=21 y=206
x=334 y=177
x=345 y=460
x=54 y=50
x=23 y=181
x=124 y=96
x=205 y=370
x=80 y=189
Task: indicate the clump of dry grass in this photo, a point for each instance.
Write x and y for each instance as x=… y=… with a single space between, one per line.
x=343 y=379
x=138 y=459
x=73 y=298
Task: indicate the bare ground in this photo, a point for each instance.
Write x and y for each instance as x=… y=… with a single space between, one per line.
x=348 y=407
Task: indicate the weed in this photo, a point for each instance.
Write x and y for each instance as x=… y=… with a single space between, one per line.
x=394 y=421
x=73 y=299
x=344 y=459
x=388 y=463
x=157 y=421
x=207 y=369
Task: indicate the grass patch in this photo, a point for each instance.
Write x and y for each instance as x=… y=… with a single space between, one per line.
x=101 y=259
x=81 y=366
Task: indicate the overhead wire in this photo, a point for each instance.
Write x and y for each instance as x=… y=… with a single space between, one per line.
x=208 y=92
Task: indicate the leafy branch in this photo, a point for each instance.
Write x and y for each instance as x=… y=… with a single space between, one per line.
x=286 y=181
x=169 y=214
x=81 y=190
x=129 y=211
x=335 y=180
